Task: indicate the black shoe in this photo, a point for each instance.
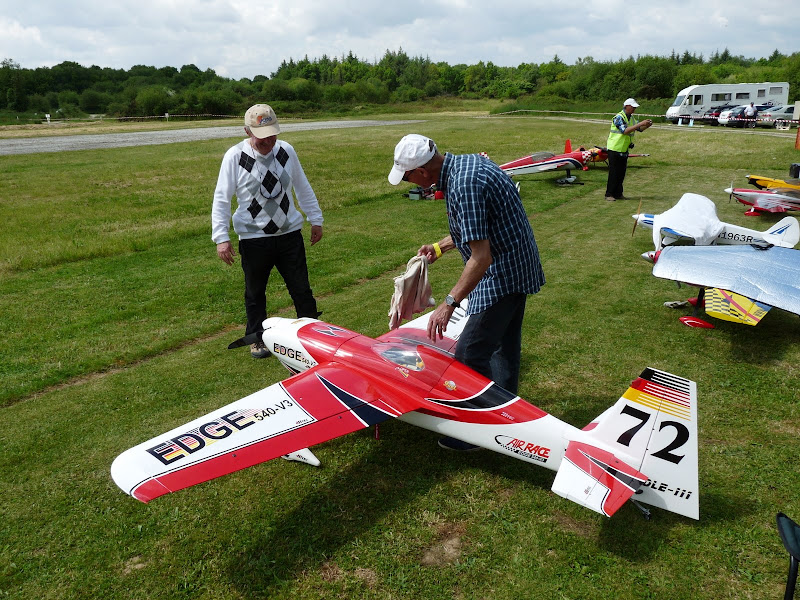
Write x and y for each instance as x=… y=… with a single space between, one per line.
x=449 y=443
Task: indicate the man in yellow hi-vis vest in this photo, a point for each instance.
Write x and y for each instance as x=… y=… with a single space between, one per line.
x=620 y=140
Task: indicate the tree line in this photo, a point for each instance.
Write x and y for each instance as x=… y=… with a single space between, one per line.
x=69 y=90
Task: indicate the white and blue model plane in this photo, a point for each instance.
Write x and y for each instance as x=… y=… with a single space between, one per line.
x=694 y=219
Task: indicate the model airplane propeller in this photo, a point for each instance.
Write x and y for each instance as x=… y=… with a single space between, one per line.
x=642 y=447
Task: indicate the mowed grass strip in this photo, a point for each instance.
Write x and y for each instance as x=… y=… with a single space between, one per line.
x=395 y=518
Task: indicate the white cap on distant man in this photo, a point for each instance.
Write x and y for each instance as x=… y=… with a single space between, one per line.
x=631 y=102
x=261 y=120
x=412 y=152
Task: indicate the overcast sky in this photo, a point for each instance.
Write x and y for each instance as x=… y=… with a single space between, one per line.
x=237 y=38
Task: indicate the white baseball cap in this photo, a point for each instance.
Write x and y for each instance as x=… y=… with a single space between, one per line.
x=261 y=120
x=631 y=102
x=412 y=152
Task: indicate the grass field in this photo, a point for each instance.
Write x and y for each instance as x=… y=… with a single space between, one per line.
x=115 y=316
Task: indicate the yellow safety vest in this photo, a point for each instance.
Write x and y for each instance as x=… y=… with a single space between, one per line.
x=616 y=140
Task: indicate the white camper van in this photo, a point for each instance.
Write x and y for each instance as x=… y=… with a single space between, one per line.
x=692 y=102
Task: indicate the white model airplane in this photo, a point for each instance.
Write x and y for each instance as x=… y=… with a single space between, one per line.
x=694 y=218
x=644 y=447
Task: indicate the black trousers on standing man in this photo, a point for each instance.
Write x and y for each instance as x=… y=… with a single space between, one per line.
x=617 y=165
x=288 y=254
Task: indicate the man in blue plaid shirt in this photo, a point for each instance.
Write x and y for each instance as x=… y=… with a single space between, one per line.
x=490 y=229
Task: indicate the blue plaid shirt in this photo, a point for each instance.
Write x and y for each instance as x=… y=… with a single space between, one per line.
x=483 y=204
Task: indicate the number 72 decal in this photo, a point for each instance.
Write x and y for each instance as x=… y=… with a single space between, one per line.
x=666 y=453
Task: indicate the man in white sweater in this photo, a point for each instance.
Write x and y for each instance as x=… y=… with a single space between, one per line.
x=264 y=173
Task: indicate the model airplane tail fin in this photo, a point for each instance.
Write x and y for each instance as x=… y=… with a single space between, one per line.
x=785 y=232
x=596 y=478
x=644 y=446
x=567 y=146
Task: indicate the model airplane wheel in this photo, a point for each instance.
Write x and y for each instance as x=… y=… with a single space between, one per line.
x=690 y=321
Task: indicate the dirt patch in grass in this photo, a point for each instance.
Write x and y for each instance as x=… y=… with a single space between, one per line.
x=571 y=525
x=447 y=547
x=133 y=564
x=330 y=571
x=368 y=576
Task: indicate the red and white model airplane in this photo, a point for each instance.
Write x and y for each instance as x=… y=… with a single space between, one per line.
x=644 y=447
x=570 y=160
x=771 y=200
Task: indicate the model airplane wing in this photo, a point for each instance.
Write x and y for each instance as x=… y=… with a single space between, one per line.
x=770 y=182
x=325 y=402
x=769 y=276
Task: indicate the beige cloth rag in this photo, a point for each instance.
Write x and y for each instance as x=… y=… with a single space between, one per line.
x=412 y=292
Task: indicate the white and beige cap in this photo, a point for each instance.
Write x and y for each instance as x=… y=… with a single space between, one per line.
x=412 y=152
x=261 y=120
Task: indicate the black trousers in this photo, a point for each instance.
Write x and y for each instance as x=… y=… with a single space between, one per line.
x=491 y=342
x=288 y=254
x=617 y=165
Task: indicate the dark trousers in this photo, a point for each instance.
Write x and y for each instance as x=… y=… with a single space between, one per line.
x=259 y=256
x=491 y=342
x=617 y=165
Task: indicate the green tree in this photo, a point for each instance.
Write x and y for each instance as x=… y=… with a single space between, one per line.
x=92 y=101
x=152 y=101
x=692 y=74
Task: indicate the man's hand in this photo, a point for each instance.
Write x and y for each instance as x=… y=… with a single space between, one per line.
x=316 y=234
x=226 y=252
x=428 y=252
x=437 y=323
x=645 y=124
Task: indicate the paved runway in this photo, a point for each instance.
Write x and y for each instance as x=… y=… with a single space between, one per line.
x=147 y=138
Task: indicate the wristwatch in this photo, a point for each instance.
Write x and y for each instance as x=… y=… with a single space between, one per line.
x=450 y=301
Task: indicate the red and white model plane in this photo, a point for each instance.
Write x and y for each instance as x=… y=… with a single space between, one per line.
x=770 y=200
x=644 y=447
x=570 y=160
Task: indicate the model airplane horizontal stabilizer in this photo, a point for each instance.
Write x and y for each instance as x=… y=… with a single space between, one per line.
x=653 y=429
x=347 y=382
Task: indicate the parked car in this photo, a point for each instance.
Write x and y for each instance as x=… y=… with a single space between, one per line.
x=776 y=115
x=728 y=117
x=712 y=114
x=734 y=117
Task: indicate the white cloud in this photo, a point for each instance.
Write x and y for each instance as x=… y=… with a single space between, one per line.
x=239 y=38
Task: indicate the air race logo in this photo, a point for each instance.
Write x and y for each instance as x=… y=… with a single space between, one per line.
x=522 y=448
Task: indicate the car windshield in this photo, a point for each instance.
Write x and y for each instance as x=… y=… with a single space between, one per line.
x=678 y=101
